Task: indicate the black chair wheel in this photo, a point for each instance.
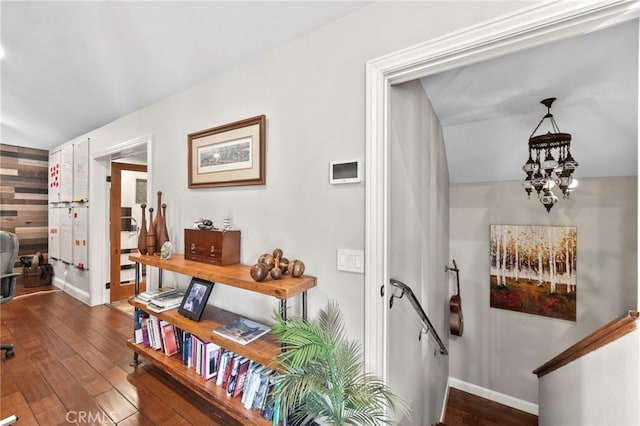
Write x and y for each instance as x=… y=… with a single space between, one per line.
x=10 y=354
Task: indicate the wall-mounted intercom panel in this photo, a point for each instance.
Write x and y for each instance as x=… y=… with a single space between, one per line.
x=344 y=172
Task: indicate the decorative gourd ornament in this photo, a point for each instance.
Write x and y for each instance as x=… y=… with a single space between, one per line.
x=276 y=266
x=267 y=260
x=259 y=271
x=296 y=268
x=284 y=265
x=276 y=273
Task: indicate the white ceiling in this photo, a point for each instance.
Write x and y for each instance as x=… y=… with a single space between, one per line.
x=489 y=109
x=71 y=67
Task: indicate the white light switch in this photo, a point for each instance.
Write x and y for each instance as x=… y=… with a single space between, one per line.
x=350 y=260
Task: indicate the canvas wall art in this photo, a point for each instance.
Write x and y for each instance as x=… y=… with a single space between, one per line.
x=533 y=269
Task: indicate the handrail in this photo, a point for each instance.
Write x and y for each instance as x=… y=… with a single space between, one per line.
x=604 y=335
x=416 y=305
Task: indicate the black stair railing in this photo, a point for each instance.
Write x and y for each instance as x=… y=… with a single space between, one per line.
x=406 y=290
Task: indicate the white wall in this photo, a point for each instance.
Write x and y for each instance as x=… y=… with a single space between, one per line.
x=600 y=388
x=312 y=92
x=499 y=348
x=418 y=250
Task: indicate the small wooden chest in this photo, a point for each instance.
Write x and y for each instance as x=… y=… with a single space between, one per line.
x=212 y=246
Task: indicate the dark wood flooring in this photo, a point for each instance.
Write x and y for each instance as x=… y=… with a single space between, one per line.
x=71 y=365
x=21 y=290
x=466 y=409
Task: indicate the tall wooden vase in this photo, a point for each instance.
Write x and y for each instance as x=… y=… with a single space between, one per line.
x=151 y=235
x=160 y=226
x=162 y=234
x=142 y=236
x=156 y=221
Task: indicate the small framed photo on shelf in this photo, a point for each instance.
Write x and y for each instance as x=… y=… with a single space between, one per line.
x=228 y=155
x=195 y=299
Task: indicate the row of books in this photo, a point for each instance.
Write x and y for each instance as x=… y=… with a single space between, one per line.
x=239 y=376
x=155 y=333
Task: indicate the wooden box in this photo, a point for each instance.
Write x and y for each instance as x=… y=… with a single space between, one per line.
x=212 y=246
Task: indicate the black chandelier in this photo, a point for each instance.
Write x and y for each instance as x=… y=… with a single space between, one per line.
x=542 y=169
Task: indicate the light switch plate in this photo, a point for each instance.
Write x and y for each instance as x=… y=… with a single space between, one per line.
x=350 y=260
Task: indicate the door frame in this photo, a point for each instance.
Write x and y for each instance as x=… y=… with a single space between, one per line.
x=115 y=222
x=100 y=207
x=529 y=27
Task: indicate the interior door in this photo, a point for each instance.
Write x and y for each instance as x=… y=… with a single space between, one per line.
x=120 y=274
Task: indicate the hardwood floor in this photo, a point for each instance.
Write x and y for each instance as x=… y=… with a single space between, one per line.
x=71 y=365
x=466 y=409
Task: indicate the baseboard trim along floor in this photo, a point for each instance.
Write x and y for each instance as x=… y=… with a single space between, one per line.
x=501 y=398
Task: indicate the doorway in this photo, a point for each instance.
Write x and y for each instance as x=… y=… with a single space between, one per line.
x=531 y=27
x=128 y=192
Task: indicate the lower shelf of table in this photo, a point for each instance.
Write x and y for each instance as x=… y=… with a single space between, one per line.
x=207 y=389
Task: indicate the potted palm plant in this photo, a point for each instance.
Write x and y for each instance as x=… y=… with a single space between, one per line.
x=323 y=377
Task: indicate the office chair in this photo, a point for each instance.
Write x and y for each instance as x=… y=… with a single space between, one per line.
x=8 y=253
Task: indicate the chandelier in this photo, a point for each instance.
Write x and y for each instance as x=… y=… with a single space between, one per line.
x=550 y=162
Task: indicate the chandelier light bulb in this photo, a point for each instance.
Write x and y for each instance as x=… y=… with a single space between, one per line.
x=573 y=184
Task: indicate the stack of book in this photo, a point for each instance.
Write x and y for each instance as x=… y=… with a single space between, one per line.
x=162 y=299
x=146 y=296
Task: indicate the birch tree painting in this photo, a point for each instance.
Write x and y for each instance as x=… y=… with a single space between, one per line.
x=533 y=269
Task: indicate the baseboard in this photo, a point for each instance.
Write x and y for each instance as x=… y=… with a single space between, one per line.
x=446 y=399
x=510 y=401
x=79 y=294
x=58 y=283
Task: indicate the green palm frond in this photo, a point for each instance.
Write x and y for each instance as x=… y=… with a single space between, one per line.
x=323 y=374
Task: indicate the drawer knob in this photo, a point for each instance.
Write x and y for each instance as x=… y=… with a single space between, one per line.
x=213 y=248
x=193 y=246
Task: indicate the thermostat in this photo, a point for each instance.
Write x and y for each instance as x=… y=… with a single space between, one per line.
x=344 y=172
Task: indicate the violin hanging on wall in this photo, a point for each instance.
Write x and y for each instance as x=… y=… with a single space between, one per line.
x=456 y=321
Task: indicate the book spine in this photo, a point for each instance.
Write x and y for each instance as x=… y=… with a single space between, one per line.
x=233 y=376
x=227 y=371
x=262 y=390
x=163 y=336
x=243 y=370
x=253 y=382
x=221 y=367
x=145 y=334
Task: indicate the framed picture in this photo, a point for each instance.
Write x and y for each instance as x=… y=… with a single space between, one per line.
x=195 y=299
x=141 y=191
x=229 y=155
x=534 y=269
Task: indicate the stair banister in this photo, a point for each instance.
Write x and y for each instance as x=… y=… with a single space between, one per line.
x=406 y=290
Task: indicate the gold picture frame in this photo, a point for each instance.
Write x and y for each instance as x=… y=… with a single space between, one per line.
x=228 y=155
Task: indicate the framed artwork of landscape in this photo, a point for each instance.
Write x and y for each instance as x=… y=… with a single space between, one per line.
x=228 y=155
x=534 y=269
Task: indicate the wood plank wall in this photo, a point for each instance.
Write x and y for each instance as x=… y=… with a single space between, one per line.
x=24 y=197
